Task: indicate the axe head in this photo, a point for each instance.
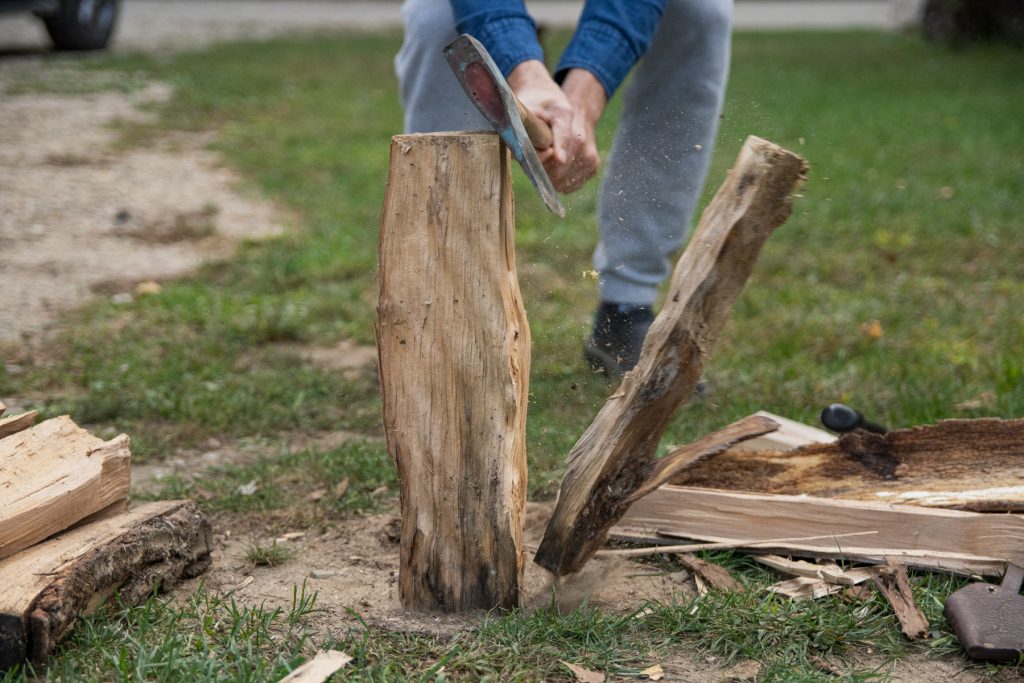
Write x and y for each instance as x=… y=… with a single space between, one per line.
x=486 y=86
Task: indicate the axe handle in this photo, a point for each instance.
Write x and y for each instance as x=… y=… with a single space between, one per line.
x=539 y=132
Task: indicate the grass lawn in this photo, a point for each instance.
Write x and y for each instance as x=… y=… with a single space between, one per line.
x=895 y=287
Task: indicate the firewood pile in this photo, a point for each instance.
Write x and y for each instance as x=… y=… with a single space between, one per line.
x=68 y=539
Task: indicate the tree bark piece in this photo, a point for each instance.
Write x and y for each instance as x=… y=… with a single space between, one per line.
x=615 y=456
x=54 y=475
x=15 y=423
x=946 y=540
x=893 y=583
x=454 y=349
x=714 y=574
x=964 y=464
x=47 y=586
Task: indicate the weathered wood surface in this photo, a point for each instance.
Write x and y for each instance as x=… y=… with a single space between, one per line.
x=892 y=581
x=12 y=424
x=454 y=349
x=964 y=464
x=790 y=434
x=615 y=455
x=54 y=475
x=46 y=587
x=948 y=540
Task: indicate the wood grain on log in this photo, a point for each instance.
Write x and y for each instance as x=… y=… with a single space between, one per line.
x=47 y=586
x=964 y=464
x=454 y=349
x=54 y=475
x=615 y=456
x=946 y=540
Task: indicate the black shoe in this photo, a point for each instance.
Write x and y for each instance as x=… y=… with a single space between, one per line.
x=618 y=335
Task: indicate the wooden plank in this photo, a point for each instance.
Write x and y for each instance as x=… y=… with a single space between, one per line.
x=454 y=349
x=12 y=424
x=948 y=540
x=47 y=586
x=318 y=669
x=615 y=456
x=54 y=475
x=963 y=464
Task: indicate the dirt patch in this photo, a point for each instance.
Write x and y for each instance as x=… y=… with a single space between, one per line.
x=355 y=567
x=79 y=216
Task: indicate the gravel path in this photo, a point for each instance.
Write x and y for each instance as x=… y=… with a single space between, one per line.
x=177 y=24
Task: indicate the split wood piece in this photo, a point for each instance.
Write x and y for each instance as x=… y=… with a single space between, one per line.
x=318 y=669
x=893 y=583
x=15 y=423
x=790 y=434
x=615 y=457
x=823 y=572
x=54 y=475
x=714 y=574
x=454 y=349
x=964 y=464
x=47 y=586
x=947 y=540
x=805 y=588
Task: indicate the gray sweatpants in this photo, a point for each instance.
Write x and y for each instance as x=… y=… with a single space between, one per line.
x=659 y=158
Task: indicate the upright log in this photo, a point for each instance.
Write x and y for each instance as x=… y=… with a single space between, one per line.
x=614 y=459
x=454 y=351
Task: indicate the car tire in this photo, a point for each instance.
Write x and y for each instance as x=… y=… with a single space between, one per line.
x=82 y=24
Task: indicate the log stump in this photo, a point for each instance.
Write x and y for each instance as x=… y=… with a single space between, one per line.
x=454 y=350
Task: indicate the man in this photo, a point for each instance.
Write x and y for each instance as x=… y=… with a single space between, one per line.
x=659 y=158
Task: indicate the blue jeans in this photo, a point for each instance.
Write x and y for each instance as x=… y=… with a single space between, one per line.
x=662 y=148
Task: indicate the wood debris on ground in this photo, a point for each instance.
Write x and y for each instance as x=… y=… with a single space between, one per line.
x=68 y=540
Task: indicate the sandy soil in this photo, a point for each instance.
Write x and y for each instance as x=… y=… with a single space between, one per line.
x=81 y=218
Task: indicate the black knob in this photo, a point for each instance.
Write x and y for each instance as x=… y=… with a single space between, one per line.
x=842 y=418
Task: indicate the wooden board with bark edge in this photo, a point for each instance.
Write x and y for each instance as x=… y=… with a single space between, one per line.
x=963 y=464
x=54 y=475
x=614 y=457
x=454 y=349
x=947 y=540
x=47 y=586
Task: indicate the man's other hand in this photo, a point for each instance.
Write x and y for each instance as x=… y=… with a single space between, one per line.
x=572 y=111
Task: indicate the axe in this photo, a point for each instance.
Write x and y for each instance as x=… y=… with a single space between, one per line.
x=520 y=130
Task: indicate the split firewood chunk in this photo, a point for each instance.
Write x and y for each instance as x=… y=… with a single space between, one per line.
x=615 y=457
x=46 y=587
x=54 y=475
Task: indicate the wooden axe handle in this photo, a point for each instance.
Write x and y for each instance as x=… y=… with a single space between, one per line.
x=539 y=132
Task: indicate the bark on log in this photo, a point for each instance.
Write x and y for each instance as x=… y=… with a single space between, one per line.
x=963 y=464
x=454 y=350
x=54 y=475
x=47 y=586
x=615 y=456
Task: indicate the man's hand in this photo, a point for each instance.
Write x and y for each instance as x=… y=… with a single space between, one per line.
x=572 y=111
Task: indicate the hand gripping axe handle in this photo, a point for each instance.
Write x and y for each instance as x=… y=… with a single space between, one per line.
x=515 y=124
